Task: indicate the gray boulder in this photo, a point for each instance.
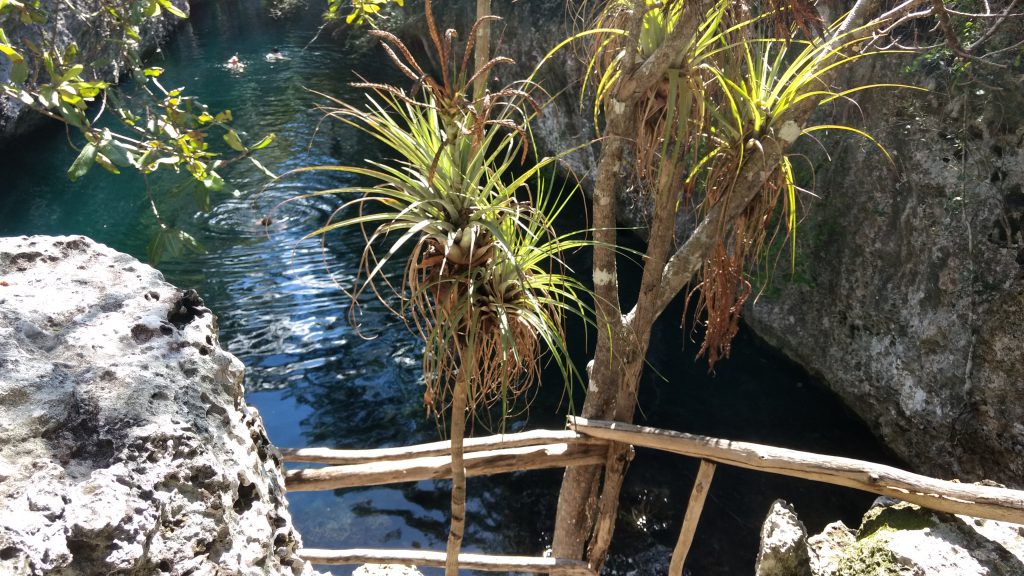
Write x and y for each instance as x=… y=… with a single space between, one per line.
x=783 y=544
x=896 y=538
x=125 y=443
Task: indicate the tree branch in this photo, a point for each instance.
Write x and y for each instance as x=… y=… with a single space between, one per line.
x=653 y=69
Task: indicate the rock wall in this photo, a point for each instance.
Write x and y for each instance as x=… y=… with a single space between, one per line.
x=125 y=443
x=85 y=27
x=894 y=539
x=908 y=295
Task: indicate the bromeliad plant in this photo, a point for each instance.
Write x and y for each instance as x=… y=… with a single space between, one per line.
x=472 y=224
x=741 y=76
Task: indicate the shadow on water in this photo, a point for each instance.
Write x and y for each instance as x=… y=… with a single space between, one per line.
x=319 y=382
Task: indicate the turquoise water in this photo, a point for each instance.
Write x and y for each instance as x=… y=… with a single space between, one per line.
x=317 y=382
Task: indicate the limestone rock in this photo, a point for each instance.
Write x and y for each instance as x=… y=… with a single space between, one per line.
x=896 y=538
x=125 y=443
x=908 y=292
x=783 y=544
x=826 y=549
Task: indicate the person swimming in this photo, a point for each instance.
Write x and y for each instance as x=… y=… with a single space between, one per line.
x=234 y=64
x=275 y=55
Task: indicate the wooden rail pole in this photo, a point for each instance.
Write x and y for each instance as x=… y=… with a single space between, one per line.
x=468 y=561
x=443 y=448
x=440 y=467
x=691 y=517
x=953 y=497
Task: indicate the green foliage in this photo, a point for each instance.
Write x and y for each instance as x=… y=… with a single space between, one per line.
x=358 y=12
x=152 y=129
x=477 y=255
x=470 y=222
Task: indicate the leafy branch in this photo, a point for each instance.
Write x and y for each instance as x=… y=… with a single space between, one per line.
x=153 y=128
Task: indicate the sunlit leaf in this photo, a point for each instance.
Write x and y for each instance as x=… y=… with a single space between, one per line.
x=72 y=73
x=82 y=164
x=117 y=153
x=261 y=167
x=266 y=141
x=11 y=53
x=213 y=182
x=167 y=5
x=106 y=164
x=231 y=137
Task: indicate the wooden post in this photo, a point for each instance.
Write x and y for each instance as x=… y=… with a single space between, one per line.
x=692 y=516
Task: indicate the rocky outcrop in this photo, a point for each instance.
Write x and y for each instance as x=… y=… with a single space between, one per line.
x=125 y=444
x=88 y=27
x=783 y=549
x=908 y=294
x=900 y=539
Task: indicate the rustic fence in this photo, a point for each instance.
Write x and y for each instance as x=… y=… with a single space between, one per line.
x=587 y=442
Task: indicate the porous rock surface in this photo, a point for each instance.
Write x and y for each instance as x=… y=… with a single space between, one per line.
x=896 y=538
x=125 y=444
x=783 y=549
x=908 y=292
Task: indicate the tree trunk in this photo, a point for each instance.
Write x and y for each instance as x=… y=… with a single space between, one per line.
x=460 y=398
x=577 y=500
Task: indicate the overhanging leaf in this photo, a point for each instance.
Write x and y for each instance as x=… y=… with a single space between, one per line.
x=82 y=164
x=231 y=137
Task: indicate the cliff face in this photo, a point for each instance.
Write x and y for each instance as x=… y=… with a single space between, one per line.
x=126 y=446
x=908 y=296
x=86 y=27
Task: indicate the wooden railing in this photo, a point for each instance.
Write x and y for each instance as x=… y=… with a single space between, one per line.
x=490 y=455
x=588 y=442
x=533 y=450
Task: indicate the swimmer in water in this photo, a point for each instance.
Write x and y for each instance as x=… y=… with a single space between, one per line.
x=234 y=64
x=275 y=55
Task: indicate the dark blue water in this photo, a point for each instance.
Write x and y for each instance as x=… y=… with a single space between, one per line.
x=317 y=382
